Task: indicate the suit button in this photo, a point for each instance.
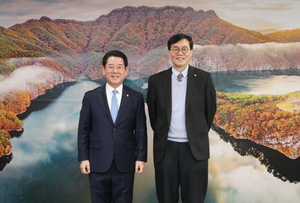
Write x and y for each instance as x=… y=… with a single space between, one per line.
x=114 y=129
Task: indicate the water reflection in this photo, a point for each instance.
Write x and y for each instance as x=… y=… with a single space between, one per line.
x=44 y=166
x=278 y=164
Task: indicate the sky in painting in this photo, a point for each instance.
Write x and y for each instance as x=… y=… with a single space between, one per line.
x=249 y=14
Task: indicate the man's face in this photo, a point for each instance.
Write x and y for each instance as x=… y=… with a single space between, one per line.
x=181 y=59
x=115 y=71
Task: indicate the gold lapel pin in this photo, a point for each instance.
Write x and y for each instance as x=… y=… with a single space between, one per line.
x=127 y=95
x=195 y=75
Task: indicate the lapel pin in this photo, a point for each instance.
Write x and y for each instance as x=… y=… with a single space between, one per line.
x=127 y=95
x=195 y=75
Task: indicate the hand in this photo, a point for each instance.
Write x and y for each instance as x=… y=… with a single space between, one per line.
x=139 y=166
x=85 y=167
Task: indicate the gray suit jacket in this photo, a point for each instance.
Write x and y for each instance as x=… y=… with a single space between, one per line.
x=199 y=110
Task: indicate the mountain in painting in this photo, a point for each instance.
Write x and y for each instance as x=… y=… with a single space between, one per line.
x=286 y=36
x=141 y=32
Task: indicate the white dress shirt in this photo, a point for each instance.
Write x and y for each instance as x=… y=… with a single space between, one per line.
x=109 y=93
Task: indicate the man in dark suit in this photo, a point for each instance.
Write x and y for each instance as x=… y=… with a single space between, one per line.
x=181 y=103
x=111 y=149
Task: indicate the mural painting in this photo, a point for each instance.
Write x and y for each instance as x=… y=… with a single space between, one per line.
x=47 y=64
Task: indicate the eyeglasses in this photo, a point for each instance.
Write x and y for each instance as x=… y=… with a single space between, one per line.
x=176 y=50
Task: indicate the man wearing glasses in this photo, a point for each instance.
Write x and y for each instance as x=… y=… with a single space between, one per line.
x=182 y=104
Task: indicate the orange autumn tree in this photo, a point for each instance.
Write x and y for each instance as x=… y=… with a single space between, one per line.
x=5 y=145
x=258 y=118
x=11 y=105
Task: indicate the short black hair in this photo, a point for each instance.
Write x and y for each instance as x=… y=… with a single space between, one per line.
x=176 y=38
x=114 y=53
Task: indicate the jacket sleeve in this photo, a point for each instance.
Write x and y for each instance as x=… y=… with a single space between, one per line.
x=151 y=102
x=84 y=130
x=210 y=101
x=141 y=131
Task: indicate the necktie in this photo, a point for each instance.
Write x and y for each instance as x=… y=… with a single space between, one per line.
x=114 y=106
x=179 y=77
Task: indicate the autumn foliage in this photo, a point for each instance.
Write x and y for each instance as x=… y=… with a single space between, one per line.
x=10 y=106
x=5 y=145
x=258 y=118
x=74 y=48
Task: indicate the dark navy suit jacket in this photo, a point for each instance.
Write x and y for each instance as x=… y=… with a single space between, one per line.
x=100 y=140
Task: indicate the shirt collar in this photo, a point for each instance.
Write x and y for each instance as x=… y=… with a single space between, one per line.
x=184 y=72
x=109 y=88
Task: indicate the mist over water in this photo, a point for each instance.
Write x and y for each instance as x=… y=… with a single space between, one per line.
x=23 y=77
x=45 y=156
x=280 y=84
x=47 y=126
x=45 y=168
x=260 y=82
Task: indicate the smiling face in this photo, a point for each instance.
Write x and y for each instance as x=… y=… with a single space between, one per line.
x=181 y=59
x=115 y=71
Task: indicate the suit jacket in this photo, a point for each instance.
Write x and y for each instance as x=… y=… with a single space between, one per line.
x=200 y=109
x=100 y=140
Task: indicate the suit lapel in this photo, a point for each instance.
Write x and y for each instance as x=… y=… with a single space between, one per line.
x=124 y=103
x=103 y=102
x=167 y=88
x=191 y=79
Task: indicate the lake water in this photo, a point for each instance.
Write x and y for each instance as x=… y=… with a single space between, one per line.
x=44 y=167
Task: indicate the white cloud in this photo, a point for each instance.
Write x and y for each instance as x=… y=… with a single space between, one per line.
x=236 y=178
x=51 y=130
x=262 y=47
x=23 y=77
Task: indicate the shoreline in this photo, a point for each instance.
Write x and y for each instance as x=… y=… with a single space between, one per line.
x=276 y=163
